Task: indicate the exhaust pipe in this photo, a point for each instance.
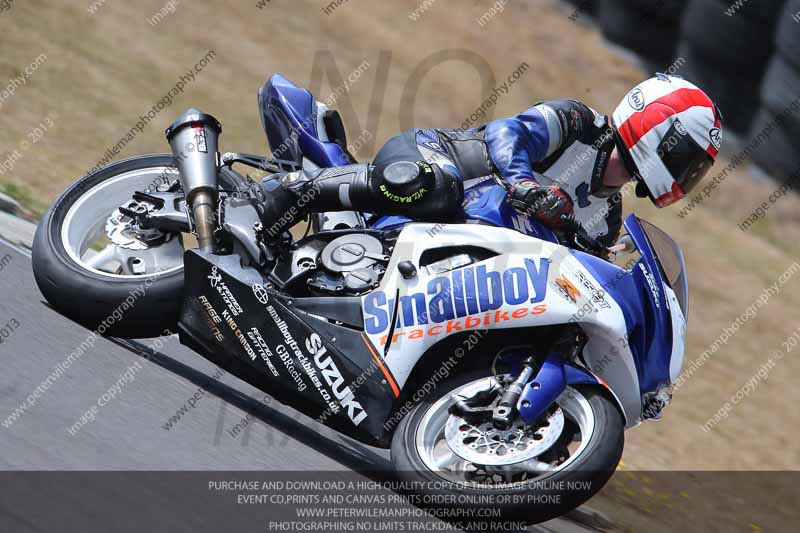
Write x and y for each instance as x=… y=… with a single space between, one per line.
x=193 y=138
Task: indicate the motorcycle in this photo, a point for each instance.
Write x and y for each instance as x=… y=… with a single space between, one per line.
x=492 y=358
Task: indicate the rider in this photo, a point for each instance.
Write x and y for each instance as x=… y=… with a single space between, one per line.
x=561 y=163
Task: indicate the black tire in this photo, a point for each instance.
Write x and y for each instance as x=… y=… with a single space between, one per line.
x=594 y=467
x=585 y=6
x=667 y=10
x=780 y=89
x=778 y=153
x=736 y=41
x=734 y=92
x=639 y=31
x=89 y=298
x=787 y=35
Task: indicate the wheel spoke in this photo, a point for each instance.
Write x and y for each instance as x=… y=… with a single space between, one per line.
x=102 y=257
x=95 y=215
x=537 y=466
x=447 y=459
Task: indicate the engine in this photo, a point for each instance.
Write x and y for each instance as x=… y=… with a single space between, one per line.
x=348 y=265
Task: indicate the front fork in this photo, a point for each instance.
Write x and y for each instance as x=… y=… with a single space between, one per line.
x=536 y=388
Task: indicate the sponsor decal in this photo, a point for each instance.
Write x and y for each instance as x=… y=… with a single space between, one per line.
x=389 y=195
x=332 y=375
x=716 y=137
x=200 y=139
x=226 y=315
x=305 y=363
x=452 y=301
x=212 y=318
x=636 y=99
x=567 y=289
x=575 y=120
x=679 y=127
x=215 y=278
x=651 y=282
x=436 y=147
x=260 y=293
x=598 y=295
x=263 y=349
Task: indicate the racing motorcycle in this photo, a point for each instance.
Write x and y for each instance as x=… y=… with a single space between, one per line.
x=493 y=358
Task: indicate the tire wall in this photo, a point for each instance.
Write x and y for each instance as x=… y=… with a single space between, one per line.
x=744 y=53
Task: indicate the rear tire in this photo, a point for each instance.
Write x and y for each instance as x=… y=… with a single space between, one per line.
x=145 y=306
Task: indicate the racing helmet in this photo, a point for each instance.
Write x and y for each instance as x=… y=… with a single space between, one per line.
x=668 y=133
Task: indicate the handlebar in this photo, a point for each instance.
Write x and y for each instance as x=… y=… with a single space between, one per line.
x=581 y=238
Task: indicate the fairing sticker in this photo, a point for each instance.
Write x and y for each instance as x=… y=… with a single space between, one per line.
x=462 y=299
x=243 y=319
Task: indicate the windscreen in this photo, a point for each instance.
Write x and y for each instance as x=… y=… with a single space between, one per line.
x=670 y=258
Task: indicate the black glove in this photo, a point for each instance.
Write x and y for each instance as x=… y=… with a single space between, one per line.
x=549 y=205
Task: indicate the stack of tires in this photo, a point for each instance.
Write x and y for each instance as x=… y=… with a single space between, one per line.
x=648 y=27
x=588 y=7
x=725 y=47
x=777 y=122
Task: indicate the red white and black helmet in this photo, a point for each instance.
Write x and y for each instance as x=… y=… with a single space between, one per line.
x=668 y=133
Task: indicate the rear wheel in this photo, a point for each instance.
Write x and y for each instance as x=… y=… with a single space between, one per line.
x=526 y=473
x=95 y=267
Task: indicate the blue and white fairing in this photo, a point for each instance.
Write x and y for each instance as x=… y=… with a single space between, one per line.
x=633 y=319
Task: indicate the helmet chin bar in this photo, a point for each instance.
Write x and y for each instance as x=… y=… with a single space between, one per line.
x=625 y=155
x=641 y=188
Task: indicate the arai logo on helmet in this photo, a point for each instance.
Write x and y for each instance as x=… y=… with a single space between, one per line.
x=716 y=137
x=636 y=99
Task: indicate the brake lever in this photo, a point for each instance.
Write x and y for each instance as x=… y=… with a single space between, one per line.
x=582 y=239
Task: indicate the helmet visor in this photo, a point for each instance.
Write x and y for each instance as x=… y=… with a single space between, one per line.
x=685 y=160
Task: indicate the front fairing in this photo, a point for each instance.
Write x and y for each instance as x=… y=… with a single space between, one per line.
x=656 y=322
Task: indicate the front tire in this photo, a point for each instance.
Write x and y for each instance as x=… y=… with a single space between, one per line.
x=517 y=498
x=123 y=304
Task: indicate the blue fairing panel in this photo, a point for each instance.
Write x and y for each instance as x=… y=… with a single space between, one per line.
x=640 y=294
x=288 y=114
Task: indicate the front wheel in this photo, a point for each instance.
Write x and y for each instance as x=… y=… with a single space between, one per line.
x=523 y=474
x=93 y=267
